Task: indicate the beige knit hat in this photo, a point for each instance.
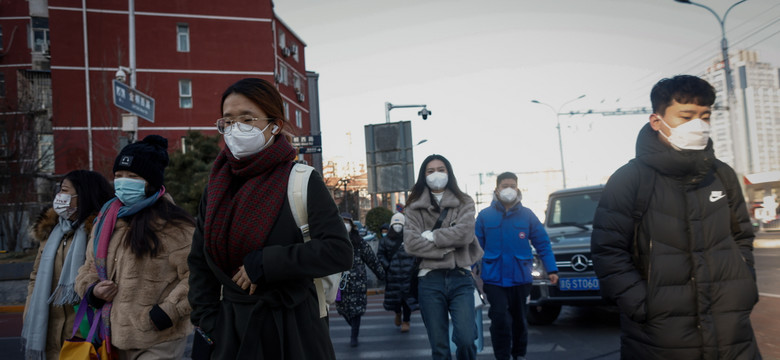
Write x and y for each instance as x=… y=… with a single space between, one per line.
x=398 y=218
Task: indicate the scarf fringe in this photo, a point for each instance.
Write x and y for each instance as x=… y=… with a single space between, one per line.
x=30 y=354
x=64 y=295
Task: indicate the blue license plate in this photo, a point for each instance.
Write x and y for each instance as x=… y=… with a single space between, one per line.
x=578 y=284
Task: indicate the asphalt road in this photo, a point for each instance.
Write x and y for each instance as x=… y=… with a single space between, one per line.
x=579 y=333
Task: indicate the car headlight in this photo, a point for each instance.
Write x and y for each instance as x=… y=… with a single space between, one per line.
x=537 y=271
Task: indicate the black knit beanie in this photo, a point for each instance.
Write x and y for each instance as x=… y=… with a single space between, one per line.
x=147 y=158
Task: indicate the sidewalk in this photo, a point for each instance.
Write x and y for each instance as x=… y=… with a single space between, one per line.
x=767 y=327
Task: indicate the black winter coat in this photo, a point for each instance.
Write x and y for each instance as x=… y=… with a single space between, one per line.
x=398 y=272
x=688 y=291
x=281 y=319
x=353 y=293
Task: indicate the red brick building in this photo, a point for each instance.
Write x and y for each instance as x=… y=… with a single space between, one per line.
x=186 y=53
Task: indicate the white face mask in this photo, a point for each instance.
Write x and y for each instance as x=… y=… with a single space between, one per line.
x=437 y=181
x=507 y=195
x=398 y=227
x=61 y=205
x=348 y=226
x=246 y=143
x=692 y=135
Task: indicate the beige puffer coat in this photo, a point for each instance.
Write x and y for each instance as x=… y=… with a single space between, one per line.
x=60 y=325
x=142 y=283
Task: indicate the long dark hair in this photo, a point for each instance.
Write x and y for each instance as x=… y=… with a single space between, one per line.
x=265 y=95
x=420 y=186
x=142 y=234
x=93 y=191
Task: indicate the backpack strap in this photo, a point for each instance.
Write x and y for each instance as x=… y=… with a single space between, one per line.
x=297 y=195
x=643 y=194
x=644 y=190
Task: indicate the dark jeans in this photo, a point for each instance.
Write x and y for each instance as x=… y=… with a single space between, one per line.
x=443 y=293
x=508 y=327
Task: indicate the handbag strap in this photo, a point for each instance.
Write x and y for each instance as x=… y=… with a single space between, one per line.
x=440 y=220
x=93 y=320
x=79 y=315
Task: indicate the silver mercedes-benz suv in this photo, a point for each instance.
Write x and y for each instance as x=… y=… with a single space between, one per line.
x=569 y=223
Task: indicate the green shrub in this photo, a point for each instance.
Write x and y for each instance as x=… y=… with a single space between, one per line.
x=376 y=217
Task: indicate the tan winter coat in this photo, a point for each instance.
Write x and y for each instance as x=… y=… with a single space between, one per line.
x=60 y=324
x=454 y=244
x=143 y=283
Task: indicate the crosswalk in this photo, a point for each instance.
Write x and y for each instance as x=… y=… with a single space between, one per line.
x=381 y=339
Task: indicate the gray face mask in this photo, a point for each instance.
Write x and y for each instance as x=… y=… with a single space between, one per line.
x=398 y=228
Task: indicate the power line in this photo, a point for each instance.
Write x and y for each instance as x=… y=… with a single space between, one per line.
x=642 y=86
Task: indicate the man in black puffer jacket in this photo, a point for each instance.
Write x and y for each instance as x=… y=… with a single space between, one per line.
x=685 y=285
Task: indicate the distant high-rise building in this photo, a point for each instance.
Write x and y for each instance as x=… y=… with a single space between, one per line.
x=752 y=143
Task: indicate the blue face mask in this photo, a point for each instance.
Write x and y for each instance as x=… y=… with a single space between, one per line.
x=130 y=191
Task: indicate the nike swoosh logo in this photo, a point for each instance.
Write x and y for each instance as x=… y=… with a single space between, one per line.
x=714 y=198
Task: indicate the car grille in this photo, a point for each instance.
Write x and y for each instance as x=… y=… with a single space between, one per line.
x=574 y=262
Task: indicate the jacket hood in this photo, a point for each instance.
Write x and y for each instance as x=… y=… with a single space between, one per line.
x=48 y=219
x=689 y=166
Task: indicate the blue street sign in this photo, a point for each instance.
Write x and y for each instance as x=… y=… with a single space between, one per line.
x=310 y=150
x=133 y=101
x=308 y=140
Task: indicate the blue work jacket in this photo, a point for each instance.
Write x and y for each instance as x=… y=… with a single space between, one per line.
x=507 y=236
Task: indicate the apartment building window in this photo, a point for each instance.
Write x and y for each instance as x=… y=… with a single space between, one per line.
x=182 y=38
x=40 y=34
x=297 y=83
x=46 y=152
x=286 y=110
x=298 y=119
x=282 y=40
x=1 y=37
x=185 y=94
x=2 y=84
x=283 y=74
x=295 y=52
x=3 y=141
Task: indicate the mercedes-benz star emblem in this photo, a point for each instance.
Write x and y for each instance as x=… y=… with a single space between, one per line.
x=579 y=262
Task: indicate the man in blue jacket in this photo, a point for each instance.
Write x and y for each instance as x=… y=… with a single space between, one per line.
x=506 y=230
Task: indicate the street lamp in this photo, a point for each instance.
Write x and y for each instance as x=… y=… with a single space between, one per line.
x=423 y=141
x=424 y=113
x=344 y=181
x=724 y=48
x=558 y=126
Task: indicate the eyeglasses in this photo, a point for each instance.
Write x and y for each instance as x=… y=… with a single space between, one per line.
x=242 y=122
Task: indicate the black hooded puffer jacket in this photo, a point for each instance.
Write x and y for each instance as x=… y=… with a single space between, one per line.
x=692 y=291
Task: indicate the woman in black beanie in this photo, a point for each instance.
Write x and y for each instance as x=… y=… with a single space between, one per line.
x=136 y=271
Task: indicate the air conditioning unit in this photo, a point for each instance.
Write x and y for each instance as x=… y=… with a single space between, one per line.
x=278 y=78
x=286 y=52
x=294 y=49
x=300 y=96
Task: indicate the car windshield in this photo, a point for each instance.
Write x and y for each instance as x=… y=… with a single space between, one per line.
x=573 y=210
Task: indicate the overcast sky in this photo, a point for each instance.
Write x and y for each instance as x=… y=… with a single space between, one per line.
x=478 y=64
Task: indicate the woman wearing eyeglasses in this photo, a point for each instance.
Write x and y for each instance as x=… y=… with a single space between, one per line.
x=251 y=273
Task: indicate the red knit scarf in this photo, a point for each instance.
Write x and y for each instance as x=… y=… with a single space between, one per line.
x=244 y=199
